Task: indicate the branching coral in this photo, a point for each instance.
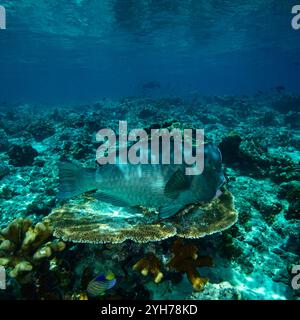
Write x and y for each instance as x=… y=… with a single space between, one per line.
x=150 y=265
x=23 y=247
x=186 y=260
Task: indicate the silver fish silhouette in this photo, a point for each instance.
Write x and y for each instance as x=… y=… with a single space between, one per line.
x=160 y=186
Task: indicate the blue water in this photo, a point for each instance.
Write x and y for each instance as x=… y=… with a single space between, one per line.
x=81 y=50
x=66 y=53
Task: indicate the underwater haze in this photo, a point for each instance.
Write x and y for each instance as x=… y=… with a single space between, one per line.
x=81 y=50
x=74 y=228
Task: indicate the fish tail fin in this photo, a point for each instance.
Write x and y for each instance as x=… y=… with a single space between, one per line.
x=74 y=180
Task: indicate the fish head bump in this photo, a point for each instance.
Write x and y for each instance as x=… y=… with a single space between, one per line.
x=205 y=186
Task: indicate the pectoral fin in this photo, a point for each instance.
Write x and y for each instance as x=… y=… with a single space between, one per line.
x=110 y=199
x=176 y=184
x=169 y=211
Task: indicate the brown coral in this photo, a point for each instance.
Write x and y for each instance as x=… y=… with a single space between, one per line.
x=150 y=265
x=23 y=247
x=186 y=260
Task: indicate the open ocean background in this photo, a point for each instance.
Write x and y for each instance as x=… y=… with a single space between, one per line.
x=82 y=50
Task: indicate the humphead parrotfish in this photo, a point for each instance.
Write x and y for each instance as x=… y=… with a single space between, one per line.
x=164 y=187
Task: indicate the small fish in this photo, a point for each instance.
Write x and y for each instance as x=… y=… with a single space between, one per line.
x=151 y=85
x=102 y=283
x=160 y=186
x=280 y=89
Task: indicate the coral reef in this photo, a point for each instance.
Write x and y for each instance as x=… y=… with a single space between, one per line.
x=146 y=113
x=229 y=148
x=293 y=119
x=253 y=158
x=23 y=247
x=41 y=129
x=260 y=147
x=287 y=102
x=4 y=144
x=186 y=260
x=4 y=170
x=291 y=192
x=89 y=221
x=150 y=265
x=198 y=221
x=22 y=155
x=220 y=291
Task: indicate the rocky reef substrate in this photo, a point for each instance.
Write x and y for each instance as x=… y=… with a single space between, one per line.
x=260 y=141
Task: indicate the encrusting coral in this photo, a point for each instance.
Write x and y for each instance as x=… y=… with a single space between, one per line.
x=24 y=246
x=150 y=265
x=186 y=260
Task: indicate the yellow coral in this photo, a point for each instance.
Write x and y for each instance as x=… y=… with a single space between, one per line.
x=83 y=296
x=186 y=260
x=150 y=265
x=22 y=246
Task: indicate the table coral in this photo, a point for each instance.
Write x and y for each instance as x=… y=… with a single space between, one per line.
x=186 y=260
x=88 y=221
x=24 y=246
